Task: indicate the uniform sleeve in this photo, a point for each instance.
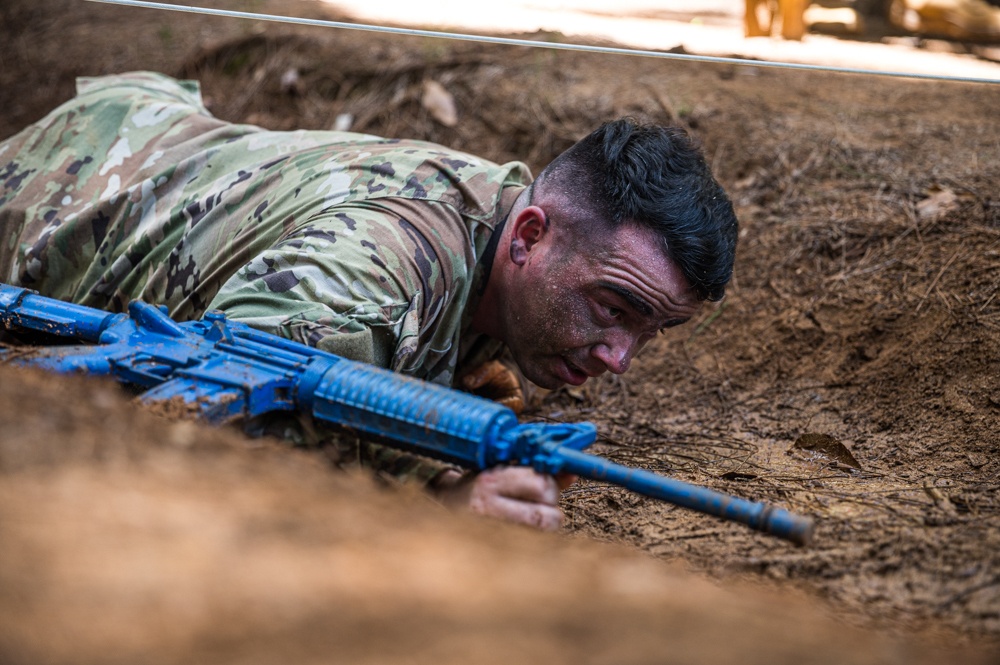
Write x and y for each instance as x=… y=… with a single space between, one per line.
x=340 y=284
x=328 y=284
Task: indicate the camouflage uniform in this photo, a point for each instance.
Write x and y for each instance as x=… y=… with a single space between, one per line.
x=365 y=247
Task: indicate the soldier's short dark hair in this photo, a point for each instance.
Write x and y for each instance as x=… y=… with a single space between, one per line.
x=627 y=172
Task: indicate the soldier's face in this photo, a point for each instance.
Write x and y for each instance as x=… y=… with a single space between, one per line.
x=587 y=305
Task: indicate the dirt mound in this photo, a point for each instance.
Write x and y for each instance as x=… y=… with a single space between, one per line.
x=125 y=538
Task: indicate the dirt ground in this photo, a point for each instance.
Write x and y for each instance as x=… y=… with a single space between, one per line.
x=850 y=375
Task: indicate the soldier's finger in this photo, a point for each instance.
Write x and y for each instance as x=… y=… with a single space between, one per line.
x=526 y=484
x=538 y=515
x=504 y=379
x=481 y=375
x=513 y=402
x=564 y=480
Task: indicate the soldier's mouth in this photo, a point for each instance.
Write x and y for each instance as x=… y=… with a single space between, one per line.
x=570 y=373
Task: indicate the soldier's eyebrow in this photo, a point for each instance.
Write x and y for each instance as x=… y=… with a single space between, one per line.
x=670 y=323
x=637 y=303
x=640 y=305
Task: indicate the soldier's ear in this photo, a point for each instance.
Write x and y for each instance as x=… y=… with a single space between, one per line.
x=529 y=227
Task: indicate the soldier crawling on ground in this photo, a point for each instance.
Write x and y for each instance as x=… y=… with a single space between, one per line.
x=405 y=254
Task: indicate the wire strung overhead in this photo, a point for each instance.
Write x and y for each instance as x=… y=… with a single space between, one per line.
x=278 y=18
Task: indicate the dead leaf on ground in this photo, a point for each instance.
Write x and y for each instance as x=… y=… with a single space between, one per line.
x=439 y=103
x=828 y=446
x=936 y=204
x=291 y=82
x=939 y=201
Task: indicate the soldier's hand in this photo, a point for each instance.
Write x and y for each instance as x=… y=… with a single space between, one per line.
x=494 y=380
x=516 y=494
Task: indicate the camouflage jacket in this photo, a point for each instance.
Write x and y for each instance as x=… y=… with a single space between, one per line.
x=367 y=247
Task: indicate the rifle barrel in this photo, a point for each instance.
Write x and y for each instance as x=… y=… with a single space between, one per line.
x=760 y=516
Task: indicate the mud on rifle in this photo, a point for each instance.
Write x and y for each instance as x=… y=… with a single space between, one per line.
x=224 y=370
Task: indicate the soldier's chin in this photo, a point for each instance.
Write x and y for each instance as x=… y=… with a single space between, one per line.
x=541 y=378
x=554 y=375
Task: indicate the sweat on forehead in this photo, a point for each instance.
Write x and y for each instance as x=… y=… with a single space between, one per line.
x=572 y=210
x=583 y=224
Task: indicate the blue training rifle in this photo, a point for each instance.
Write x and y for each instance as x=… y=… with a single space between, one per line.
x=224 y=370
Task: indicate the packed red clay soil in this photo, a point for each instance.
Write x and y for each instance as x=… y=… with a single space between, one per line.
x=850 y=375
